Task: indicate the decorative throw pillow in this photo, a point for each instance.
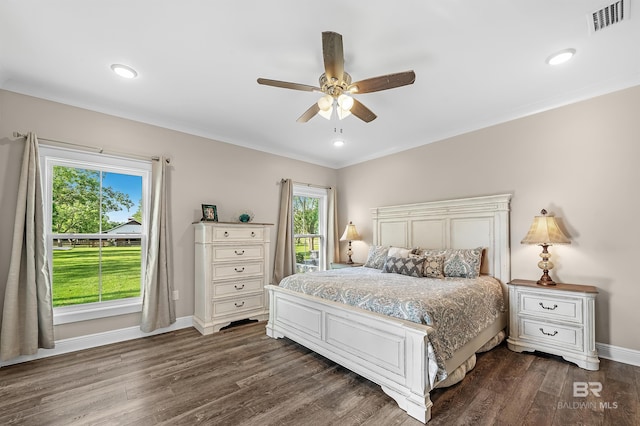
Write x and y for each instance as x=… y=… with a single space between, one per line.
x=433 y=267
x=463 y=263
x=410 y=266
x=377 y=256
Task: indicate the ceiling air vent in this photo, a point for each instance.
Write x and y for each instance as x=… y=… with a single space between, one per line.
x=609 y=15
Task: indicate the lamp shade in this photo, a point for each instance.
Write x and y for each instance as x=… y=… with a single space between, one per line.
x=545 y=231
x=350 y=233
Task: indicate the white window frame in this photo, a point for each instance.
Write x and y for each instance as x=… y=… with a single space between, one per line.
x=51 y=156
x=323 y=194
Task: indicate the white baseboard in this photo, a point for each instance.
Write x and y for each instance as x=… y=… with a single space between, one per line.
x=618 y=354
x=99 y=339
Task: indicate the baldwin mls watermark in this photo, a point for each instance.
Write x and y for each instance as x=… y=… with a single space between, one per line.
x=583 y=390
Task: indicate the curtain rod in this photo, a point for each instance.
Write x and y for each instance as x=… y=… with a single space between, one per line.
x=306 y=184
x=99 y=149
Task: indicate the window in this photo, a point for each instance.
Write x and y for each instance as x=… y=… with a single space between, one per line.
x=96 y=227
x=310 y=227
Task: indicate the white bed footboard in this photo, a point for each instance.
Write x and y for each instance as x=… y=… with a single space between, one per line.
x=388 y=351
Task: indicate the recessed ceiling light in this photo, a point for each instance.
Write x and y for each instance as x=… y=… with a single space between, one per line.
x=124 y=71
x=338 y=143
x=561 y=57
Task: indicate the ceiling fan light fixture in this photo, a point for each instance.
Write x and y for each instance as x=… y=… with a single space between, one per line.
x=338 y=143
x=326 y=113
x=342 y=113
x=124 y=71
x=561 y=57
x=325 y=103
x=345 y=102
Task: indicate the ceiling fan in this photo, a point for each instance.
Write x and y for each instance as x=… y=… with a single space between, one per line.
x=337 y=87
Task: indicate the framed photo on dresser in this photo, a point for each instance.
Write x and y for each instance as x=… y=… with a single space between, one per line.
x=209 y=213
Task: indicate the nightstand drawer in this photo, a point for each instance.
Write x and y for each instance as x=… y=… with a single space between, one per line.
x=551 y=334
x=237 y=287
x=238 y=304
x=551 y=307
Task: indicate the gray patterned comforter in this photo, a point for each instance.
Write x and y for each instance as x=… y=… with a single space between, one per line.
x=456 y=308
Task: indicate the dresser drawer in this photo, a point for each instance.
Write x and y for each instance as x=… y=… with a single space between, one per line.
x=239 y=252
x=237 y=234
x=238 y=287
x=551 y=307
x=237 y=270
x=550 y=334
x=238 y=304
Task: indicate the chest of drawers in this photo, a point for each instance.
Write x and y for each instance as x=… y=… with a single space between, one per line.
x=558 y=319
x=231 y=270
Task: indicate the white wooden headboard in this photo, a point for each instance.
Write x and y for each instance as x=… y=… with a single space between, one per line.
x=462 y=223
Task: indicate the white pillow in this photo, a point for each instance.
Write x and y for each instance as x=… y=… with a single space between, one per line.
x=398 y=252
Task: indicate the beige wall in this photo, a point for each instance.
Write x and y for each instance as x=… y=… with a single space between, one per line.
x=580 y=162
x=202 y=171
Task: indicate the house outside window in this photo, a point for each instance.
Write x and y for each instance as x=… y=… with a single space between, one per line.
x=96 y=230
x=310 y=227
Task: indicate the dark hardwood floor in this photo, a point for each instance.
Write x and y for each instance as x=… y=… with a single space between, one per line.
x=242 y=377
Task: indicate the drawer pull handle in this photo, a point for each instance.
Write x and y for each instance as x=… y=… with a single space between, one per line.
x=239 y=270
x=546 y=307
x=253 y=234
x=239 y=253
x=226 y=234
x=238 y=288
x=239 y=305
x=548 y=334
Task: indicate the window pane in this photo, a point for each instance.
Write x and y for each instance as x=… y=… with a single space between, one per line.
x=76 y=201
x=307 y=253
x=305 y=215
x=122 y=202
x=121 y=260
x=76 y=271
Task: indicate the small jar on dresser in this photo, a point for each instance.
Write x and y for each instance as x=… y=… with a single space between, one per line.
x=557 y=319
x=231 y=271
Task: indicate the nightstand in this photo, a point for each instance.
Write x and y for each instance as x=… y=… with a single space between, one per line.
x=558 y=319
x=340 y=265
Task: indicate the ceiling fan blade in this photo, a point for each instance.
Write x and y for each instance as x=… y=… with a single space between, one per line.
x=362 y=112
x=383 y=82
x=287 y=85
x=333 y=55
x=309 y=114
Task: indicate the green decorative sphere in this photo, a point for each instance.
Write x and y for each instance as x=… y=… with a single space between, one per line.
x=244 y=217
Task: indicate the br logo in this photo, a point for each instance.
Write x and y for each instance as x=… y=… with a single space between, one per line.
x=582 y=389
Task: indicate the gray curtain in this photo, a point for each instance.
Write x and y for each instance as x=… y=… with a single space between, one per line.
x=27 y=315
x=333 y=242
x=158 y=306
x=285 y=255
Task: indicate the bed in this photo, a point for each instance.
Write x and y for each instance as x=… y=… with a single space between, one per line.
x=403 y=355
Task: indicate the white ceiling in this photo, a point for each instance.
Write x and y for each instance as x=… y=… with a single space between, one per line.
x=477 y=63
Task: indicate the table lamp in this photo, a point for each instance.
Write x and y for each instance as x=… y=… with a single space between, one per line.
x=544 y=231
x=350 y=234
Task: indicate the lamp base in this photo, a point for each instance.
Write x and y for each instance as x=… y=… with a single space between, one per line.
x=545 y=279
x=349 y=253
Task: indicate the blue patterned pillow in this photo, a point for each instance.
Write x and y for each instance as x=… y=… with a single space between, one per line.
x=410 y=266
x=377 y=256
x=464 y=263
